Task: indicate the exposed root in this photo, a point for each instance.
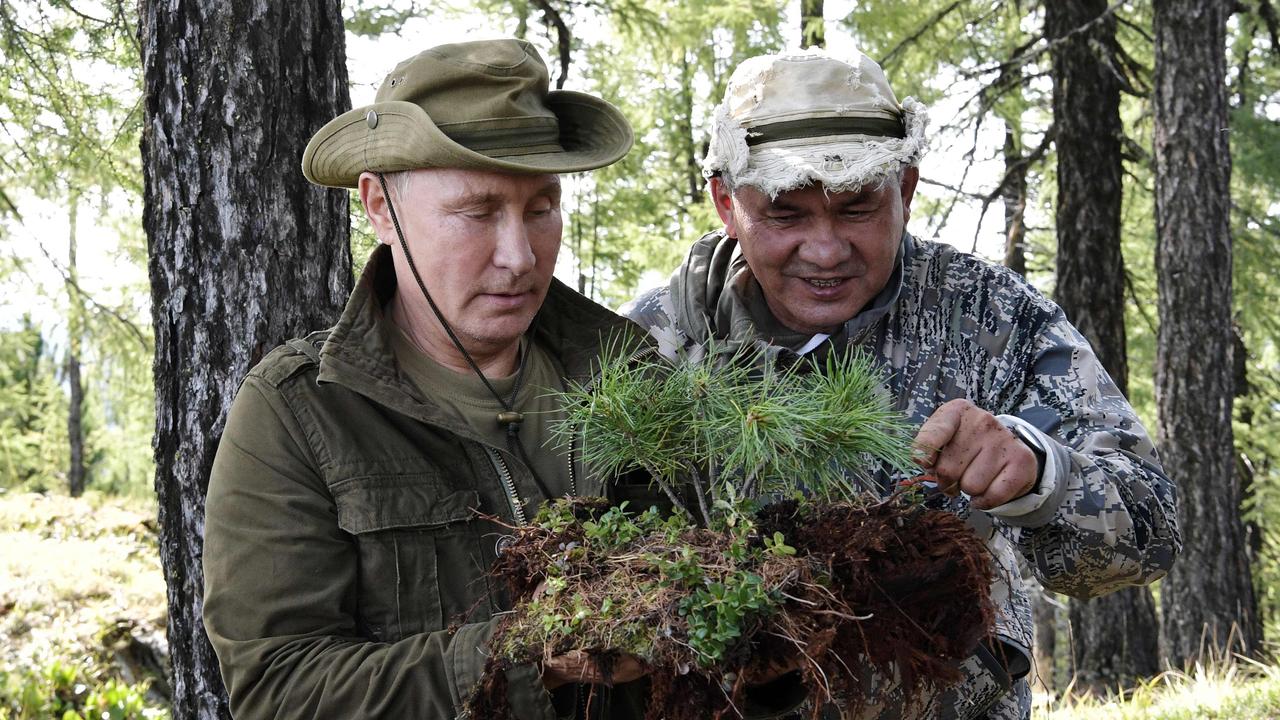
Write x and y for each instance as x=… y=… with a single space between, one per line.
x=890 y=588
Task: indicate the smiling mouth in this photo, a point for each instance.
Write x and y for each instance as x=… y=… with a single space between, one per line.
x=828 y=283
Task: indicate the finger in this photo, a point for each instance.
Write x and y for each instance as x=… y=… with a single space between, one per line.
x=1016 y=478
x=981 y=470
x=571 y=666
x=979 y=432
x=626 y=669
x=932 y=438
x=579 y=667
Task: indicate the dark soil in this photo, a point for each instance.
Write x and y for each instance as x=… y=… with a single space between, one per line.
x=891 y=588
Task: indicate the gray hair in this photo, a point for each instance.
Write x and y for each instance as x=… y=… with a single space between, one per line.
x=891 y=176
x=399 y=183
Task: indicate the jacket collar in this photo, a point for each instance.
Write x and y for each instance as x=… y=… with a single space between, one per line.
x=358 y=354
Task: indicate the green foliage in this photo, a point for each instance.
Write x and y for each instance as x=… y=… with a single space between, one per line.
x=720 y=592
x=32 y=410
x=739 y=422
x=370 y=19
x=69 y=691
x=69 y=110
x=718 y=611
x=1254 y=75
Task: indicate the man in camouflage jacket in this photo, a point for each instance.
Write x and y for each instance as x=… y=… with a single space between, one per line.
x=812 y=168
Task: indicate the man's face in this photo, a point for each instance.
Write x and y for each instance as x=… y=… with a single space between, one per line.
x=485 y=244
x=819 y=256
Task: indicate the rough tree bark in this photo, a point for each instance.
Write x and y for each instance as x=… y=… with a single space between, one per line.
x=1014 y=198
x=1115 y=639
x=813 y=30
x=1207 y=599
x=75 y=341
x=243 y=252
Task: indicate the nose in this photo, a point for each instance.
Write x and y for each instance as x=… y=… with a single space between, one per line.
x=513 y=251
x=823 y=246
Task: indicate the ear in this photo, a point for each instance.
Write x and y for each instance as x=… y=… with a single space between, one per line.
x=722 y=198
x=375 y=207
x=910 y=178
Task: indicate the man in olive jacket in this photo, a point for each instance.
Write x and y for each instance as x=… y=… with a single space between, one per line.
x=342 y=538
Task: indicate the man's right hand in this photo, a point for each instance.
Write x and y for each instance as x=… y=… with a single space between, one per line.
x=579 y=667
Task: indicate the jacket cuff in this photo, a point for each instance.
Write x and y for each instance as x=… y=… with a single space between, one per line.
x=1037 y=508
x=528 y=697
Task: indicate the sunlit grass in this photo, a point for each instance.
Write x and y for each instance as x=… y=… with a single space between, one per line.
x=72 y=572
x=1231 y=689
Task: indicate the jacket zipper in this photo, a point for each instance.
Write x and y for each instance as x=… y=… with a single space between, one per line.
x=573 y=475
x=509 y=485
x=573 y=436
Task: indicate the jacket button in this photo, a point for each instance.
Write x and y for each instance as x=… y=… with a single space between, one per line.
x=503 y=543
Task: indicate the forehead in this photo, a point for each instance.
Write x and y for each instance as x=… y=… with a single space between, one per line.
x=811 y=195
x=448 y=184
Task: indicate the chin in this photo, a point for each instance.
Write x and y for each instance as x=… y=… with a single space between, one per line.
x=500 y=333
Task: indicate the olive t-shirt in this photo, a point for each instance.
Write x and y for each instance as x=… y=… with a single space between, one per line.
x=465 y=395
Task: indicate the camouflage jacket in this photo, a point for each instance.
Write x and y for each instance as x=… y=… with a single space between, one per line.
x=948 y=325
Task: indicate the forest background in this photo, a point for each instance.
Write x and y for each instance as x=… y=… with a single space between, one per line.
x=78 y=276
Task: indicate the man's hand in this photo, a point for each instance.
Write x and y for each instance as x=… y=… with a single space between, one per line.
x=578 y=667
x=968 y=450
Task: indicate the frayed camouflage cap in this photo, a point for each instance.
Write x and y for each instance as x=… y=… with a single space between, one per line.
x=793 y=119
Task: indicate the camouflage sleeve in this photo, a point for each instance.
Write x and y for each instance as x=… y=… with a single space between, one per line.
x=652 y=310
x=1104 y=515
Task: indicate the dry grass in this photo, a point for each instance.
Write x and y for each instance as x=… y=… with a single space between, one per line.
x=71 y=568
x=1231 y=689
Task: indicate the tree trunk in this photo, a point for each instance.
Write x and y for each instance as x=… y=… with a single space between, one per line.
x=813 y=30
x=1115 y=639
x=1014 y=197
x=1086 y=113
x=1208 y=599
x=243 y=252
x=75 y=341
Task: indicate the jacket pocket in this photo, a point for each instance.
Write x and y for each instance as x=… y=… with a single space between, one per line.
x=418 y=552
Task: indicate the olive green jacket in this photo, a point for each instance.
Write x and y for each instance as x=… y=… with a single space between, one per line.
x=341 y=538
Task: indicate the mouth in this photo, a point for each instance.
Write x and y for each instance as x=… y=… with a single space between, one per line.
x=825 y=282
x=508 y=298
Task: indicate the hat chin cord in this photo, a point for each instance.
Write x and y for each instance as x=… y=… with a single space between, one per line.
x=509 y=415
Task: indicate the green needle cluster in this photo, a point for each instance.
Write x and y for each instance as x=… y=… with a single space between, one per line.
x=728 y=424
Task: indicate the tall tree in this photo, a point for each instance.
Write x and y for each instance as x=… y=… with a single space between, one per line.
x=243 y=252
x=1014 y=197
x=1114 y=638
x=813 y=29
x=75 y=342
x=69 y=140
x=1207 y=599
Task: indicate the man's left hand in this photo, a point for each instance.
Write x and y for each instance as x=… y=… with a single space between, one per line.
x=970 y=451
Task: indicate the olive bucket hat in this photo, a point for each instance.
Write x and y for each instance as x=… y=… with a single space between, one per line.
x=481 y=105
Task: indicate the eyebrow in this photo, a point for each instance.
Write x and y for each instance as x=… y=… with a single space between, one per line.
x=858 y=199
x=781 y=206
x=480 y=198
x=473 y=199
